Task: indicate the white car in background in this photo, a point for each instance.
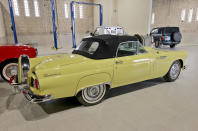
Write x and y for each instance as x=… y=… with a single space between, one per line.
x=115 y=30
x=110 y=30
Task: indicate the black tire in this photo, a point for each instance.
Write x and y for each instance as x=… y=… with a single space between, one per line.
x=3 y=68
x=157 y=44
x=172 y=46
x=82 y=98
x=169 y=76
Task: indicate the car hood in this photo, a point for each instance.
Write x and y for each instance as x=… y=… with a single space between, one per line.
x=57 y=61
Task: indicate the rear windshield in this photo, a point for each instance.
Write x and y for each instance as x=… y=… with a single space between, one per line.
x=171 y=30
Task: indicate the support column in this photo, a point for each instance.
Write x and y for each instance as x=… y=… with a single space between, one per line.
x=150 y=16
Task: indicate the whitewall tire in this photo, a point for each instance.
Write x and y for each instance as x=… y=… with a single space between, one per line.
x=92 y=95
x=9 y=69
x=173 y=72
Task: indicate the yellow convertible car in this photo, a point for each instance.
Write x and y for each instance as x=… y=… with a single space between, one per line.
x=97 y=65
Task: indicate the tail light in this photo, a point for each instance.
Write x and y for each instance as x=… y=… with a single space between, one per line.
x=163 y=38
x=36 y=84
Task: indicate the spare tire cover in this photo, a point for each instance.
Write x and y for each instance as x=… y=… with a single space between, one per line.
x=177 y=37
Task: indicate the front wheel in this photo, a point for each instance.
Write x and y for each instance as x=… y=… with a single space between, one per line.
x=9 y=69
x=92 y=95
x=173 y=72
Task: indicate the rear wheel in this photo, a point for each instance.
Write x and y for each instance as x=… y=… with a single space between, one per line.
x=173 y=72
x=9 y=69
x=92 y=95
x=157 y=44
x=172 y=46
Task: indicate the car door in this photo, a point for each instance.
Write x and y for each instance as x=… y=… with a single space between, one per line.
x=132 y=64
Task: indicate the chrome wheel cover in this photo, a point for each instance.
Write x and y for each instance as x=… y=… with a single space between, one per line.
x=94 y=94
x=10 y=70
x=175 y=70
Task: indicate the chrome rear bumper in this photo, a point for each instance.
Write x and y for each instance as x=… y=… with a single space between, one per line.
x=29 y=95
x=35 y=98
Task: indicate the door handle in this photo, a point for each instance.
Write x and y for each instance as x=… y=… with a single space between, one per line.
x=119 y=62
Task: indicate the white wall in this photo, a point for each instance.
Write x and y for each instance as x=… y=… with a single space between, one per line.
x=168 y=13
x=133 y=15
x=2 y=28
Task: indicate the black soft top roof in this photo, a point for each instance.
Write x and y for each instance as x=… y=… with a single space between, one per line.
x=108 y=45
x=112 y=41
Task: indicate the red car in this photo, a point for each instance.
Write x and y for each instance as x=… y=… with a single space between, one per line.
x=9 y=55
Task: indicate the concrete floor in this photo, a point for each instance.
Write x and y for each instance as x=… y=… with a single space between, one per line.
x=152 y=105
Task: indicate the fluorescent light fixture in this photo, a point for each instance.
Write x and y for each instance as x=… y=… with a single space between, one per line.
x=66 y=11
x=16 y=7
x=197 y=15
x=36 y=8
x=190 y=14
x=153 y=19
x=81 y=12
x=183 y=15
x=27 y=10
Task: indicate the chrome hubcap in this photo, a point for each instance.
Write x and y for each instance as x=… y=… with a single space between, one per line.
x=93 y=94
x=175 y=70
x=10 y=70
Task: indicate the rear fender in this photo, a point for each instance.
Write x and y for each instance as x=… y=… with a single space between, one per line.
x=94 y=79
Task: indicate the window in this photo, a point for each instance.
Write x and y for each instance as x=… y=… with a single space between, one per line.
x=197 y=15
x=183 y=15
x=89 y=47
x=154 y=31
x=66 y=11
x=171 y=30
x=153 y=19
x=190 y=14
x=16 y=7
x=141 y=49
x=26 y=7
x=81 y=11
x=127 y=49
x=36 y=8
x=93 y=47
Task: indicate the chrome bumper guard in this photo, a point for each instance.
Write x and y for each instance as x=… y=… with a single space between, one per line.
x=29 y=95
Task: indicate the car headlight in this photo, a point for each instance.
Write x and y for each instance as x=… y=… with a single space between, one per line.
x=24 y=67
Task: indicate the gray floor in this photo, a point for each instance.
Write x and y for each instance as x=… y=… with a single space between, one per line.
x=147 y=106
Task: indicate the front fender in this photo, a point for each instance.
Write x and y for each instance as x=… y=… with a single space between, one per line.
x=91 y=80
